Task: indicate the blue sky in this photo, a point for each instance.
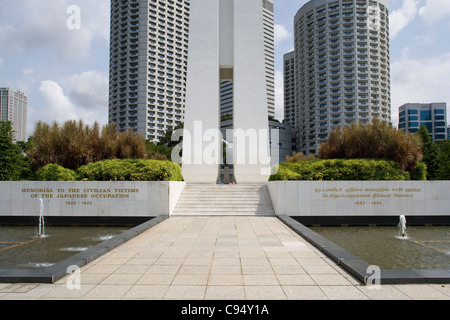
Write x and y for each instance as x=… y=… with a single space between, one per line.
x=64 y=71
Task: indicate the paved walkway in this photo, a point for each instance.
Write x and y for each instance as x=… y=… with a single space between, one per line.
x=217 y=258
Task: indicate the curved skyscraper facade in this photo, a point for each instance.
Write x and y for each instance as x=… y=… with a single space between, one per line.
x=342 y=72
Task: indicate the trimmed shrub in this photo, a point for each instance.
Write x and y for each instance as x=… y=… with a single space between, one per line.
x=341 y=169
x=420 y=172
x=131 y=170
x=54 y=172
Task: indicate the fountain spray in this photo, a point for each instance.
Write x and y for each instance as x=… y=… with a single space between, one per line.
x=402 y=227
x=41 y=219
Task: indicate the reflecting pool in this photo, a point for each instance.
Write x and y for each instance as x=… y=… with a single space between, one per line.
x=424 y=247
x=21 y=246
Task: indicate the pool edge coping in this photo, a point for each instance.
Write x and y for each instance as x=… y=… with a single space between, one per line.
x=61 y=269
x=358 y=268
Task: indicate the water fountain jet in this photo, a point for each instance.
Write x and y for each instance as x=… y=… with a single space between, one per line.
x=41 y=230
x=402 y=228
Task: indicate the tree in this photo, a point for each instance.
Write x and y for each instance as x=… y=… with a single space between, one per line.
x=166 y=139
x=163 y=149
x=431 y=153
x=12 y=163
x=157 y=152
x=25 y=145
x=444 y=163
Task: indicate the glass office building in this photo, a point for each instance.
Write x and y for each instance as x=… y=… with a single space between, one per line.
x=431 y=115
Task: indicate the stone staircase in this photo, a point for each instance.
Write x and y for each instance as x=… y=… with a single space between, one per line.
x=220 y=199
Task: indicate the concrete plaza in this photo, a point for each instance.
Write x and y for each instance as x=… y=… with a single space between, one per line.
x=218 y=258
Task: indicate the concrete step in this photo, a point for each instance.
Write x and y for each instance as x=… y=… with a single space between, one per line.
x=242 y=195
x=225 y=208
x=224 y=187
x=186 y=204
x=201 y=199
x=221 y=213
x=223 y=192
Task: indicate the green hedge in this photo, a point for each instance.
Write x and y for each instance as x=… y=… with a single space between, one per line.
x=420 y=172
x=131 y=170
x=341 y=169
x=54 y=172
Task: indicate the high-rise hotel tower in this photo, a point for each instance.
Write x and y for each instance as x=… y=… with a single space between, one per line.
x=341 y=65
x=148 y=64
x=13 y=107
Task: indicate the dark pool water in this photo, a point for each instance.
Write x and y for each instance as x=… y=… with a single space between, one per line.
x=425 y=247
x=21 y=247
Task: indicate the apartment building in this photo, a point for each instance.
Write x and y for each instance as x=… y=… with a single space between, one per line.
x=341 y=65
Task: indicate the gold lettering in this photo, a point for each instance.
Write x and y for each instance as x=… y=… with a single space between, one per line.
x=378 y=195
x=97 y=190
x=72 y=196
x=39 y=190
x=110 y=196
x=126 y=190
x=397 y=195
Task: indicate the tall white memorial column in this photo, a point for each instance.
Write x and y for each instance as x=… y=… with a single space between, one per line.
x=226 y=42
x=250 y=117
x=201 y=157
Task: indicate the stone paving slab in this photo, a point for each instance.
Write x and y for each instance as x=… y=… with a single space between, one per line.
x=217 y=258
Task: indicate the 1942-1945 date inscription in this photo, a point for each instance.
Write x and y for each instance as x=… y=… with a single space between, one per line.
x=230 y=309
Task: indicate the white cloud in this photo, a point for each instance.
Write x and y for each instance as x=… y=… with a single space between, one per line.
x=49 y=61
x=435 y=10
x=58 y=106
x=97 y=17
x=281 y=34
x=36 y=27
x=400 y=18
x=90 y=90
x=85 y=98
x=419 y=80
x=26 y=81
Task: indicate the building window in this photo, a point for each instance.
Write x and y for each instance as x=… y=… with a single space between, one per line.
x=425 y=115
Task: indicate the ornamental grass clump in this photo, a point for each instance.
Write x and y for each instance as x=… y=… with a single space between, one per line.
x=74 y=144
x=378 y=140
